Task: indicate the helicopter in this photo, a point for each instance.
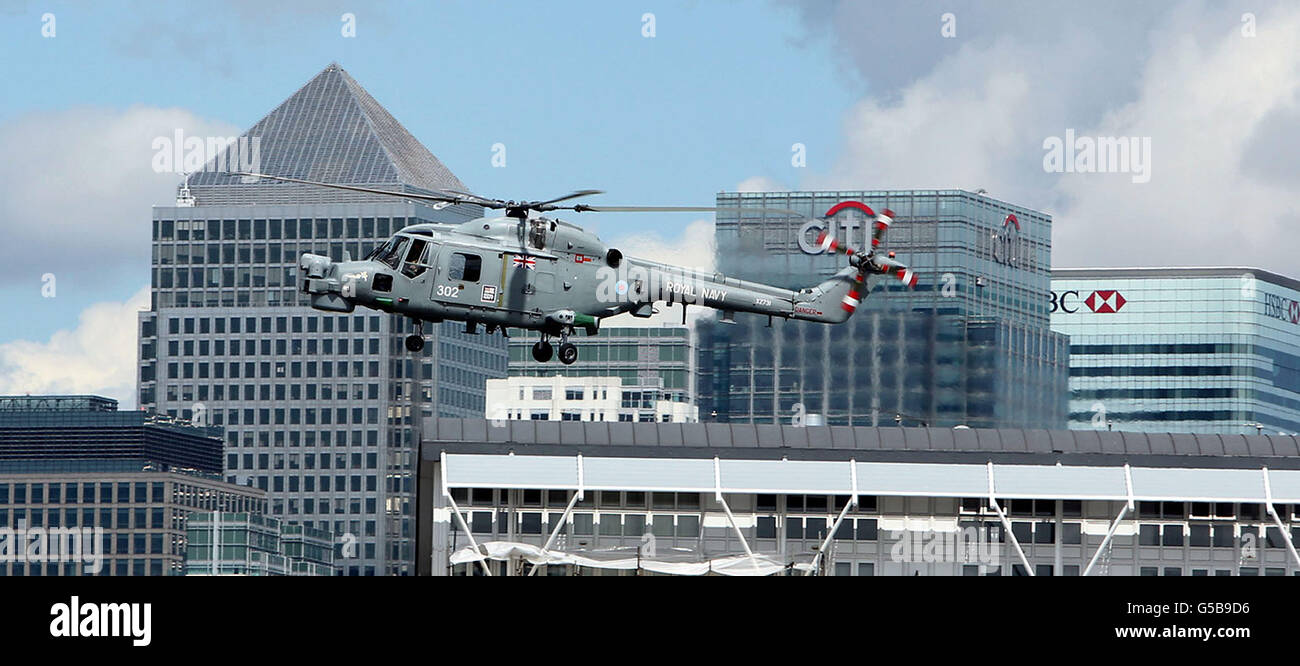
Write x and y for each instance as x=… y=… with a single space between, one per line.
x=525 y=270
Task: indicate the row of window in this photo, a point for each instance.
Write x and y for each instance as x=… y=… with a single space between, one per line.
x=320 y=505
x=309 y=461
x=1165 y=510
x=560 y=498
x=264 y=325
x=545 y=415
x=283 y=416
x=108 y=567
x=1214 y=535
x=656 y=500
x=322 y=483
x=584 y=524
x=263 y=370
x=308 y=438
x=140 y=518
x=1241 y=571
x=123 y=492
x=296 y=346
x=71 y=493
x=277 y=392
x=368 y=228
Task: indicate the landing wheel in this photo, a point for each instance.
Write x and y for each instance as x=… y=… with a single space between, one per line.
x=568 y=353
x=542 y=351
x=414 y=342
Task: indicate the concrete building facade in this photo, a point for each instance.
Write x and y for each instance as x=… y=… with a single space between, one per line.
x=315 y=406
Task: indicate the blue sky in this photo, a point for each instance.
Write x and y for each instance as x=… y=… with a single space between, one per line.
x=879 y=92
x=578 y=96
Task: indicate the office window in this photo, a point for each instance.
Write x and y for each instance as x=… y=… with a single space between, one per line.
x=1149 y=535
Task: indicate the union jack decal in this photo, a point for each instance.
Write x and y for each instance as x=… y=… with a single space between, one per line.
x=525 y=262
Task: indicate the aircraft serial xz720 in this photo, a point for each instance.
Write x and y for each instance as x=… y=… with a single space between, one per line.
x=525 y=270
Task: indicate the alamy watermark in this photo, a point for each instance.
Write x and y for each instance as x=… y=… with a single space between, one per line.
x=967 y=545
x=53 y=545
x=636 y=284
x=188 y=154
x=1100 y=154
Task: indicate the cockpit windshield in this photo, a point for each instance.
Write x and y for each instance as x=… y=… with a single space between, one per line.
x=381 y=248
x=390 y=253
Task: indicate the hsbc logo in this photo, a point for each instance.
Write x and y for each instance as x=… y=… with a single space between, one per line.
x=1101 y=301
x=1104 y=301
x=1281 y=307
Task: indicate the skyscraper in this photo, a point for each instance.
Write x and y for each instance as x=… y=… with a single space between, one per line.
x=315 y=406
x=970 y=344
x=1200 y=350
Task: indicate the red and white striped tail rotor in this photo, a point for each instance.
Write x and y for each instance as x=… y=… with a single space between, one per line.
x=870 y=261
x=883 y=220
x=829 y=243
x=888 y=266
x=854 y=297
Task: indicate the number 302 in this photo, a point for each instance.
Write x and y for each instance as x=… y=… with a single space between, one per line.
x=448 y=291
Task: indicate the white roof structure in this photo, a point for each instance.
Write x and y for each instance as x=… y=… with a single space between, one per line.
x=989 y=464
x=1120 y=483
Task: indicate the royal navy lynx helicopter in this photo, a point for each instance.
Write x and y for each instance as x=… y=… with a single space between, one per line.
x=525 y=270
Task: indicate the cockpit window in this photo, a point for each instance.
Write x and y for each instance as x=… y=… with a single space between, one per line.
x=415 y=260
x=382 y=248
x=392 y=252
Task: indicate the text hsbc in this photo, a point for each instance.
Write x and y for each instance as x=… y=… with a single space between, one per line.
x=1281 y=307
x=1100 y=301
x=1065 y=301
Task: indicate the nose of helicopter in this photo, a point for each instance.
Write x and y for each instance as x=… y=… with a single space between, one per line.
x=329 y=284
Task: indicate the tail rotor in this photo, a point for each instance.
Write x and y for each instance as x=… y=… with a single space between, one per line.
x=870 y=261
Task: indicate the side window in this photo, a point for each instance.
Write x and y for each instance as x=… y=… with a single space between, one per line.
x=465 y=267
x=414 y=265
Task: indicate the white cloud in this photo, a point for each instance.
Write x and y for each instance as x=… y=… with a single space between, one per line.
x=1213 y=198
x=1217 y=106
x=76 y=188
x=760 y=184
x=98 y=356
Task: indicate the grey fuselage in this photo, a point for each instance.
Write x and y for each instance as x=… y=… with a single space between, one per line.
x=542 y=274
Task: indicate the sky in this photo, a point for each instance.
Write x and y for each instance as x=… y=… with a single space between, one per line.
x=655 y=102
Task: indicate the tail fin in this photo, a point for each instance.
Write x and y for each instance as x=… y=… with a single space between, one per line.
x=832 y=301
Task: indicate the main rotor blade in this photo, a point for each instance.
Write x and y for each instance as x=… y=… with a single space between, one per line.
x=571 y=195
x=583 y=208
x=444 y=198
x=484 y=200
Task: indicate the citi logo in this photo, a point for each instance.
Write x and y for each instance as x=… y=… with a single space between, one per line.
x=92 y=620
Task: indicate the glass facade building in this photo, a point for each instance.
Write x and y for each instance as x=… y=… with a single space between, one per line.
x=86 y=433
x=970 y=344
x=1199 y=350
x=249 y=544
x=316 y=407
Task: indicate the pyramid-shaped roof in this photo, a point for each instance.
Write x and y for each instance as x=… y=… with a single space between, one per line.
x=330 y=130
